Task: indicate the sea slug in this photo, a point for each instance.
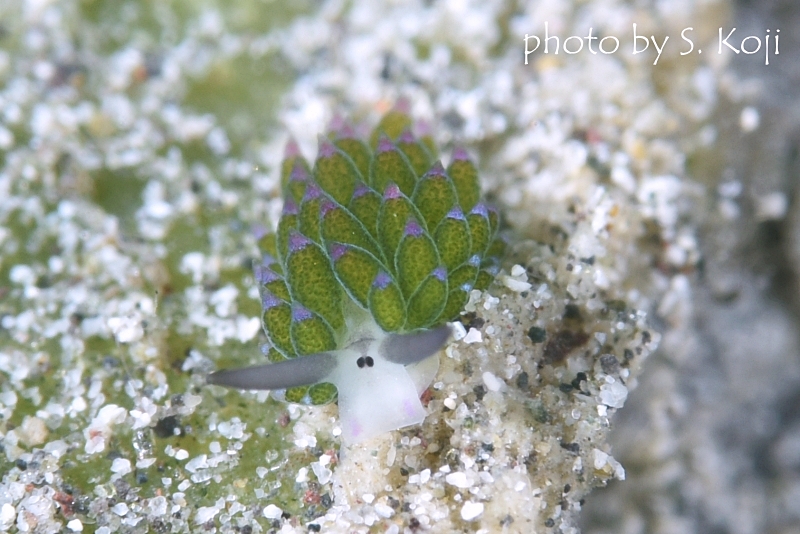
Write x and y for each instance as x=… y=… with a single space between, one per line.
x=378 y=246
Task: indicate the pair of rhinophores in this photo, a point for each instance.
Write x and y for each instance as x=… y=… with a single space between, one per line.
x=378 y=246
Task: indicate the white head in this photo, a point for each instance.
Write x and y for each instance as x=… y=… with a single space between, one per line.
x=379 y=378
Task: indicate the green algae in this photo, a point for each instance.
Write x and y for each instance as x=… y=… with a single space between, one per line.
x=241 y=91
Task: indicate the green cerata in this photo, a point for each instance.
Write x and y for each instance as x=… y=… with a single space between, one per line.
x=377 y=248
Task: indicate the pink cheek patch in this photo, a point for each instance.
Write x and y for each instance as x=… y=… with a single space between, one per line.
x=375 y=399
x=409 y=407
x=355 y=429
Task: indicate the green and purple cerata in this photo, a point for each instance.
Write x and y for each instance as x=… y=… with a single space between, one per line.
x=378 y=246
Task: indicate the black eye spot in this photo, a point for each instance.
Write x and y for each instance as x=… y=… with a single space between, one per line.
x=360 y=362
x=370 y=361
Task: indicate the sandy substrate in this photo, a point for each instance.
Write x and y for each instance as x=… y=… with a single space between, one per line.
x=140 y=154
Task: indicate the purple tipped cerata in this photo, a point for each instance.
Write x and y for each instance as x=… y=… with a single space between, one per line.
x=382 y=280
x=384 y=144
x=346 y=132
x=259 y=273
x=474 y=260
x=300 y=313
x=258 y=230
x=456 y=213
x=312 y=192
x=460 y=154
x=437 y=169
x=413 y=228
x=269 y=300
x=297 y=241
x=440 y=273
x=423 y=128
x=337 y=250
x=292 y=149
x=407 y=137
x=326 y=147
x=268 y=259
x=392 y=191
x=337 y=123
x=361 y=190
x=325 y=207
x=299 y=173
x=342 y=128
x=480 y=209
x=289 y=207
x=264 y=275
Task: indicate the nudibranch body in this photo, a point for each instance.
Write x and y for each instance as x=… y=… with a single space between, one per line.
x=378 y=246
